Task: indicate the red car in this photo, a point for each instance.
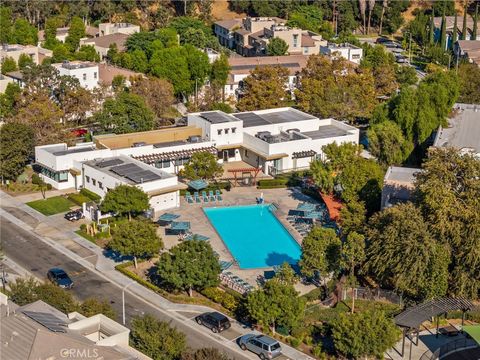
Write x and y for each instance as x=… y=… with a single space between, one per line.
x=79 y=132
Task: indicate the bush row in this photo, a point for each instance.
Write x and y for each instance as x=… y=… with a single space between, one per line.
x=271 y=186
x=90 y=194
x=217 y=186
x=227 y=300
x=271 y=182
x=78 y=199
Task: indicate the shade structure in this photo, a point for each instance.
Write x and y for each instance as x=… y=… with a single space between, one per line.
x=473 y=331
x=297 y=212
x=306 y=206
x=198 y=184
x=224 y=265
x=180 y=225
x=168 y=217
x=197 y=237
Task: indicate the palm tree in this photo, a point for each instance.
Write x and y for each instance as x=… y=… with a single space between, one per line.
x=371 y=4
x=363 y=7
x=384 y=7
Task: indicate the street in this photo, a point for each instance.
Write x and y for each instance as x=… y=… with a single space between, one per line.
x=25 y=249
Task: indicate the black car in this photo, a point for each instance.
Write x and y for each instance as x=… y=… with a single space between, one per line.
x=60 y=278
x=74 y=215
x=214 y=321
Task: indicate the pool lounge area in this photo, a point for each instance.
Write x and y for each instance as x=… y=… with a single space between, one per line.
x=254 y=236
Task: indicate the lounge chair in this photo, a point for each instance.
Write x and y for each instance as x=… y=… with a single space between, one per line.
x=218 y=195
x=204 y=196
x=196 y=197
x=188 y=197
x=211 y=197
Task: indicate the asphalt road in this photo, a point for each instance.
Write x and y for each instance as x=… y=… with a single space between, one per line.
x=25 y=249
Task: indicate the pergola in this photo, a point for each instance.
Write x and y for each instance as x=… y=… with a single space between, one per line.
x=412 y=318
x=253 y=170
x=173 y=155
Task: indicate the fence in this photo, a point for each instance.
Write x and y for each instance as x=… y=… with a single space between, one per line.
x=451 y=347
x=372 y=294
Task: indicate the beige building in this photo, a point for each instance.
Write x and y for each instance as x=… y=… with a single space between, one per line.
x=4 y=81
x=469 y=50
x=102 y=43
x=118 y=28
x=15 y=50
x=251 y=36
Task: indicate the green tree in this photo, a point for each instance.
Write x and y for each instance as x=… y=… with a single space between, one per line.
x=443 y=33
x=306 y=17
x=334 y=88
x=277 y=47
x=51 y=25
x=322 y=174
x=24 y=60
x=8 y=65
x=136 y=238
x=125 y=114
x=364 y=335
x=454 y=33
x=22 y=291
x=205 y=354
x=264 y=88
x=198 y=65
x=157 y=339
x=353 y=255
x=61 y=53
x=464 y=27
x=286 y=275
x=93 y=306
x=9 y=100
x=219 y=75
x=125 y=199
x=57 y=297
x=320 y=252
x=24 y=33
x=139 y=61
x=353 y=217
x=448 y=191
x=403 y=254
x=189 y=265
x=475 y=23
x=383 y=67
x=406 y=75
x=163 y=61
x=6 y=25
x=75 y=33
x=157 y=93
x=202 y=165
x=431 y=33
x=87 y=53
x=469 y=77
x=16 y=147
x=194 y=37
x=387 y=144
x=276 y=304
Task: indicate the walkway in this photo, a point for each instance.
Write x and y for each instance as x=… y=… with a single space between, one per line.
x=59 y=234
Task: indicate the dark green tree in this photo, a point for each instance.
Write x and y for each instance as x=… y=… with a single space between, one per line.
x=454 y=33
x=125 y=200
x=24 y=33
x=276 y=305
x=364 y=335
x=87 y=53
x=137 y=238
x=22 y=291
x=469 y=77
x=189 y=265
x=75 y=33
x=8 y=65
x=195 y=37
x=202 y=165
x=402 y=253
x=320 y=252
x=387 y=144
x=57 y=297
x=464 y=26
x=9 y=100
x=125 y=114
x=24 y=60
x=443 y=33
x=475 y=23
x=6 y=25
x=431 y=33
x=353 y=217
x=93 y=306
x=16 y=147
x=157 y=339
x=163 y=61
x=406 y=76
x=277 y=47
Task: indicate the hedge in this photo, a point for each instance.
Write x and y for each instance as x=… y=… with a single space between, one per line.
x=78 y=199
x=228 y=301
x=271 y=186
x=90 y=194
x=216 y=186
x=271 y=182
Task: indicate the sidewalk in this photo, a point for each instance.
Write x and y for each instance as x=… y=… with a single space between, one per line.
x=64 y=239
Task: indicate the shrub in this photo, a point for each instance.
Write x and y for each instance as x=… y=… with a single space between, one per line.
x=78 y=199
x=271 y=186
x=36 y=179
x=227 y=300
x=83 y=227
x=271 y=182
x=294 y=342
x=315 y=294
x=90 y=194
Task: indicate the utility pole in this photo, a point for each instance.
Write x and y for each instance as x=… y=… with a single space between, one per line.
x=123 y=300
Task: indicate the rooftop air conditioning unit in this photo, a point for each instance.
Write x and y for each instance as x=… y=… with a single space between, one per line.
x=194 y=139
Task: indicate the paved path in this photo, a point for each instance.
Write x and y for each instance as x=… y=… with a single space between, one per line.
x=38 y=242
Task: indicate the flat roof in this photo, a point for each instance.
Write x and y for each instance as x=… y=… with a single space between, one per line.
x=463 y=131
x=399 y=174
x=260 y=118
x=128 y=170
x=327 y=131
x=216 y=117
x=72 y=150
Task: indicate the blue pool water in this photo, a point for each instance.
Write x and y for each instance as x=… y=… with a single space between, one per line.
x=254 y=236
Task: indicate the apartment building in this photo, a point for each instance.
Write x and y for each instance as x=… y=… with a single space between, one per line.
x=102 y=43
x=14 y=51
x=86 y=72
x=117 y=28
x=250 y=36
x=347 y=51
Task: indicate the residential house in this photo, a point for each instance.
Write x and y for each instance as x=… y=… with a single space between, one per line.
x=251 y=36
x=398 y=185
x=117 y=28
x=39 y=331
x=450 y=21
x=4 y=81
x=107 y=73
x=86 y=72
x=469 y=50
x=350 y=52
x=102 y=43
x=15 y=50
x=62 y=33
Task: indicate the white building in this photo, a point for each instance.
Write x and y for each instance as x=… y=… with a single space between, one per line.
x=118 y=28
x=350 y=52
x=275 y=140
x=398 y=185
x=86 y=72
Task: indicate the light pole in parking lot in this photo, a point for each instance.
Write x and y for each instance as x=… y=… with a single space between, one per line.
x=123 y=300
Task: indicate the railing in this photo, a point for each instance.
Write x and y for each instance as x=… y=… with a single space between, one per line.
x=451 y=347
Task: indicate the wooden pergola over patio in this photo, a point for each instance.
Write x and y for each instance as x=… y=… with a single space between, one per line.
x=251 y=170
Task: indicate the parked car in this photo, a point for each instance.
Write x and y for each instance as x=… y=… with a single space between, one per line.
x=265 y=347
x=74 y=215
x=60 y=278
x=214 y=321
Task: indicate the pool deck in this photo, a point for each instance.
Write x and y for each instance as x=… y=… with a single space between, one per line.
x=285 y=199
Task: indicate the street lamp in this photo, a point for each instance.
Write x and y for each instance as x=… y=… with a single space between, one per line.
x=123 y=300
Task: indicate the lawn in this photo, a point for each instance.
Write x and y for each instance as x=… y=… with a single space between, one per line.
x=51 y=206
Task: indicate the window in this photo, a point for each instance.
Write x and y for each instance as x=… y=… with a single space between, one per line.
x=227 y=131
x=356 y=56
x=234 y=130
x=162 y=164
x=181 y=161
x=95 y=75
x=94 y=182
x=87 y=178
x=100 y=185
x=295 y=40
x=305 y=49
x=246 y=153
x=58 y=176
x=84 y=77
x=219 y=131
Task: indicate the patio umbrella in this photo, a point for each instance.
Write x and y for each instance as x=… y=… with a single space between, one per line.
x=180 y=225
x=198 y=184
x=168 y=217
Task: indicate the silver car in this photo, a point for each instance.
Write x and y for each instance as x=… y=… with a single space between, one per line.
x=263 y=346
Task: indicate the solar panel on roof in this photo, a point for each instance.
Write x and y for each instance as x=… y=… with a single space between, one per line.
x=50 y=321
x=253 y=66
x=251 y=119
x=103 y=164
x=143 y=176
x=215 y=117
x=126 y=169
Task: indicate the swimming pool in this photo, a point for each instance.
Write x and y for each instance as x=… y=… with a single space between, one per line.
x=254 y=236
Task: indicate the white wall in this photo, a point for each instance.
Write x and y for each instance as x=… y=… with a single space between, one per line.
x=210 y=131
x=87 y=76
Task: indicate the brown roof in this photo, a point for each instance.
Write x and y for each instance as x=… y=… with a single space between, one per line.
x=242 y=31
x=89 y=31
x=469 y=45
x=106 y=73
x=107 y=40
x=307 y=41
x=242 y=65
x=229 y=24
x=450 y=20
